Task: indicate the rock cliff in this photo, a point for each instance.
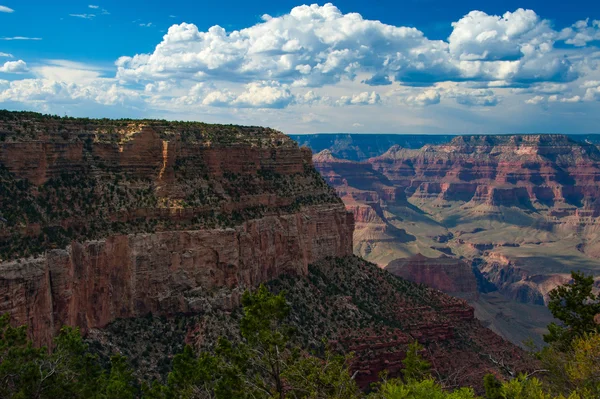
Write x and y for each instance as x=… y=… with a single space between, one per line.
x=446 y=274
x=360 y=309
x=110 y=219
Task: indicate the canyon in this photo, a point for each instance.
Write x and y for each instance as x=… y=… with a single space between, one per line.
x=145 y=233
x=521 y=210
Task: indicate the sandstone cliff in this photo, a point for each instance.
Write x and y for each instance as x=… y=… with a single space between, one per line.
x=110 y=219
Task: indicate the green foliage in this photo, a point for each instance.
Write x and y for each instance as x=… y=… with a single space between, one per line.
x=493 y=387
x=69 y=371
x=575 y=305
x=263 y=365
x=415 y=367
x=575 y=369
x=424 y=389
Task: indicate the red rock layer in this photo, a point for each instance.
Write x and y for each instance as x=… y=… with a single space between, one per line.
x=446 y=274
x=499 y=170
x=281 y=216
x=91 y=284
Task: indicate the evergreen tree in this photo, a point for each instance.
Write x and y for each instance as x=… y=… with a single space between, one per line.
x=575 y=305
x=415 y=367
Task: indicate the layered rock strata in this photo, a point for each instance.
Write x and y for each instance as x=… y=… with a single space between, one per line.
x=110 y=219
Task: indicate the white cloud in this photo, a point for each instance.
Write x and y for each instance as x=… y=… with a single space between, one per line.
x=66 y=71
x=591 y=83
x=479 y=97
x=592 y=93
x=84 y=16
x=20 y=38
x=146 y=25
x=14 y=67
x=427 y=97
x=34 y=91
x=536 y=100
x=218 y=99
x=6 y=9
x=364 y=98
x=315 y=65
x=574 y=99
x=581 y=33
x=318 y=45
x=264 y=95
x=479 y=36
x=543 y=88
x=7 y=55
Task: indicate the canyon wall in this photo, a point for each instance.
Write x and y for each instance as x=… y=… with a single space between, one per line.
x=446 y=274
x=114 y=219
x=522 y=209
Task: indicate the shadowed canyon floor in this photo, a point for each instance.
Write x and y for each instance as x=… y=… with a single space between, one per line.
x=523 y=211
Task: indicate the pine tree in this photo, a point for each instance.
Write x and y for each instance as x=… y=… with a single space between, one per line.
x=575 y=305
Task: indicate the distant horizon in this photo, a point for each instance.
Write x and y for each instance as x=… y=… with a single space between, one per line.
x=308 y=134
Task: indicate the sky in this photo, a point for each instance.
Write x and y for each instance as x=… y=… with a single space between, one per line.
x=378 y=66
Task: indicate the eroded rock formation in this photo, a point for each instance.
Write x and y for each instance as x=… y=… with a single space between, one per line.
x=111 y=219
x=446 y=274
x=523 y=208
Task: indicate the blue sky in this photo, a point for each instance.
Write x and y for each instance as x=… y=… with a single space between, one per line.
x=427 y=66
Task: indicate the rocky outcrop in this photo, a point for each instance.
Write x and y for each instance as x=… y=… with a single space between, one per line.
x=112 y=219
x=446 y=274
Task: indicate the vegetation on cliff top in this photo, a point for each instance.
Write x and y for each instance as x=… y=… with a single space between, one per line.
x=29 y=126
x=264 y=364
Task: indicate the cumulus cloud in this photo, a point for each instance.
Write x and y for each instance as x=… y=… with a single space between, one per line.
x=592 y=93
x=264 y=95
x=536 y=100
x=479 y=36
x=14 y=67
x=6 y=9
x=318 y=45
x=47 y=91
x=574 y=99
x=554 y=98
x=427 y=97
x=364 y=98
x=479 y=97
x=316 y=57
x=581 y=33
